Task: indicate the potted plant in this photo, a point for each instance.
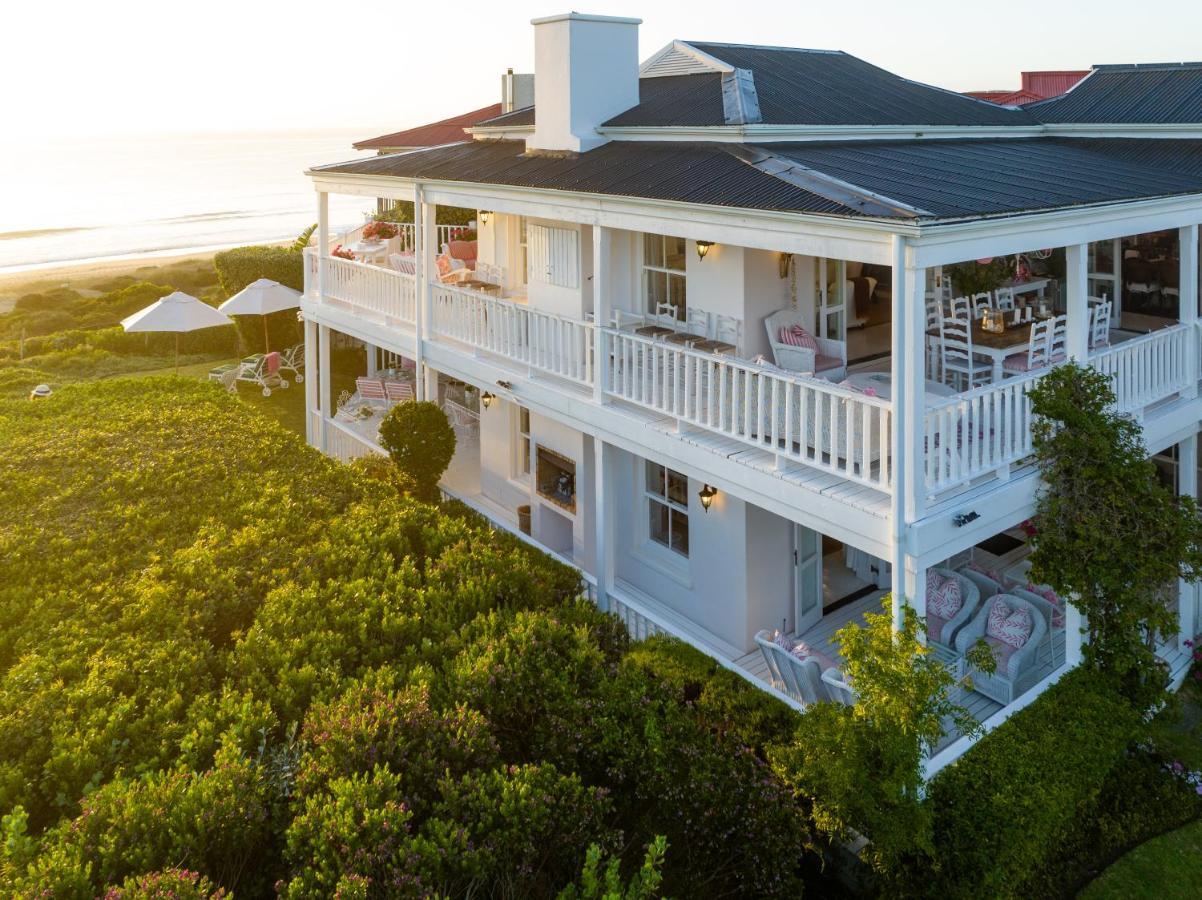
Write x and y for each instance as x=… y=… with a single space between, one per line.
x=379 y=231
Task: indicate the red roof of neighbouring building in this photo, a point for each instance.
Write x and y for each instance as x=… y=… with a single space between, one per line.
x=435 y=134
x=1035 y=86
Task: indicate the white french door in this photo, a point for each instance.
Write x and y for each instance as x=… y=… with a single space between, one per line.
x=832 y=299
x=807 y=578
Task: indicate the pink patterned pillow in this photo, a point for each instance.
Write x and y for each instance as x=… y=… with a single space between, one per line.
x=946 y=600
x=1010 y=625
x=993 y=574
x=782 y=640
x=796 y=336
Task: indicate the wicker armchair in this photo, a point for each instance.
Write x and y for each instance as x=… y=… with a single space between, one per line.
x=801 y=679
x=830 y=361
x=1009 y=681
x=948 y=629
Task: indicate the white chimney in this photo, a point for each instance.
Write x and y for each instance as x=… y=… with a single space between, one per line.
x=586 y=71
x=517 y=91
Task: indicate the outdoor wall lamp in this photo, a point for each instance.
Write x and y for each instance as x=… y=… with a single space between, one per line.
x=484 y=214
x=785 y=259
x=962 y=519
x=703 y=247
x=706 y=495
x=486 y=398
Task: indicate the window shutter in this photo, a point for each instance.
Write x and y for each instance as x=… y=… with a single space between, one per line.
x=553 y=256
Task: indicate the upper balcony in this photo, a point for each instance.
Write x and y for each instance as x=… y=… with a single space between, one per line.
x=695 y=375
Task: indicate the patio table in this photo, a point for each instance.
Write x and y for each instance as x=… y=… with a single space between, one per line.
x=996 y=346
x=369 y=250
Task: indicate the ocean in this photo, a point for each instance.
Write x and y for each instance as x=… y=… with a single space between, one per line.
x=98 y=198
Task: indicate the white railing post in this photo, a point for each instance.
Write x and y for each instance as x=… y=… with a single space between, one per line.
x=602 y=245
x=1188 y=304
x=311 y=369
x=323 y=365
x=1077 y=283
x=422 y=292
x=1187 y=486
x=323 y=241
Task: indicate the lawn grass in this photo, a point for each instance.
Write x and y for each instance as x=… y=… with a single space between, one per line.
x=1166 y=868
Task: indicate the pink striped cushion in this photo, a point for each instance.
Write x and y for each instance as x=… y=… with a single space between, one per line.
x=796 y=336
x=1017 y=362
x=1012 y=626
x=1001 y=654
x=946 y=600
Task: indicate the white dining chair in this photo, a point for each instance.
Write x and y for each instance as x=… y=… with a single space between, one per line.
x=980 y=303
x=1003 y=298
x=956 y=356
x=934 y=332
x=1099 y=323
x=667 y=314
x=961 y=308
x=1058 y=348
x=728 y=330
x=1038 y=351
x=697 y=322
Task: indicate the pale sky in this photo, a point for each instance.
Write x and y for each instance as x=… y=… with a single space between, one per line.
x=126 y=66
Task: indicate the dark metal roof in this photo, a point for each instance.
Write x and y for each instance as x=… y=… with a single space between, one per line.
x=684 y=100
x=523 y=116
x=820 y=87
x=958 y=178
x=1125 y=95
x=910 y=180
x=684 y=172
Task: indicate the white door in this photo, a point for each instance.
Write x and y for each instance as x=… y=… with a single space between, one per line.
x=807 y=571
x=832 y=300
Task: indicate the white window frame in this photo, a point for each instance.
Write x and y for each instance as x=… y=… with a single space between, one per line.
x=523 y=446
x=523 y=256
x=664 y=552
x=645 y=268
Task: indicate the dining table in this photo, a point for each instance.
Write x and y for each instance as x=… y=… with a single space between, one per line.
x=996 y=345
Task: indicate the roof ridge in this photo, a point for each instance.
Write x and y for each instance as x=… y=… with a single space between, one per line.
x=1145 y=67
x=767 y=47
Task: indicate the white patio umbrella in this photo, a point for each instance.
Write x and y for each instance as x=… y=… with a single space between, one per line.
x=261 y=298
x=177 y=312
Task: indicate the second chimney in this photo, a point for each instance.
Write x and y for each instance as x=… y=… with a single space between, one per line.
x=586 y=71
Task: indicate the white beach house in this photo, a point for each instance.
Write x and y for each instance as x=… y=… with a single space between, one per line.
x=706 y=346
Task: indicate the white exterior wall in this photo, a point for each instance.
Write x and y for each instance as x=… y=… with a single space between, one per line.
x=764 y=293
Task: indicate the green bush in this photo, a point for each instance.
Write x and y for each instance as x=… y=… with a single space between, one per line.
x=421 y=442
x=1003 y=811
x=240 y=266
x=168 y=884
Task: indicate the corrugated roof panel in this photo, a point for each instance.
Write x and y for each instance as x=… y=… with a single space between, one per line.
x=1126 y=95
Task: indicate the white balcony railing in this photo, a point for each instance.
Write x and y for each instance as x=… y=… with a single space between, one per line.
x=366 y=288
x=1148 y=369
x=545 y=343
x=988 y=429
x=795 y=417
x=406 y=239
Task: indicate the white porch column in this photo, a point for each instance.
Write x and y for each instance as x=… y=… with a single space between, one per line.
x=603 y=549
x=373 y=357
x=912 y=394
x=602 y=308
x=1074 y=622
x=311 y=367
x=323 y=241
x=422 y=290
x=1187 y=486
x=916 y=590
x=1077 y=284
x=323 y=364
x=1188 y=302
x=897 y=443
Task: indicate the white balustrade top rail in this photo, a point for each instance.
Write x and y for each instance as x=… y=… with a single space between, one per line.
x=796 y=417
x=545 y=343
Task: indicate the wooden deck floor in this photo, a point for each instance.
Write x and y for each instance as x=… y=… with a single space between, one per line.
x=978 y=706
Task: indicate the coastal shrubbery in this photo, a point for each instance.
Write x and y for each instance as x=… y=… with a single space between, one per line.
x=296 y=678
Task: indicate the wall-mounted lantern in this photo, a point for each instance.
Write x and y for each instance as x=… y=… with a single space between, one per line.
x=486 y=399
x=703 y=247
x=706 y=495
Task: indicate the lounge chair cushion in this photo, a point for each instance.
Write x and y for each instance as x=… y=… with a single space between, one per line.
x=1011 y=625
x=802 y=650
x=1001 y=654
x=824 y=363
x=935 y=626
x=796 y=336
x=992 y=574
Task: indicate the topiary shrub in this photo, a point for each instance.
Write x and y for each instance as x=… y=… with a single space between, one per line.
x=421 y=442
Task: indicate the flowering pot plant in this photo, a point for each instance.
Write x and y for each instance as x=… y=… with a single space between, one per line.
x=379 y=231
x=342 y=253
